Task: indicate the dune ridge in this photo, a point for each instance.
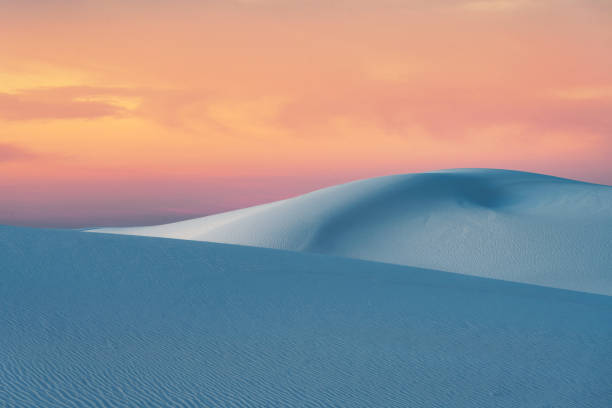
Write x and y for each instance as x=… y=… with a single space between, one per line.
x=502 y=224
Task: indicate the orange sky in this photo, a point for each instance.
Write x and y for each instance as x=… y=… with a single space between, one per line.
x=115 y=112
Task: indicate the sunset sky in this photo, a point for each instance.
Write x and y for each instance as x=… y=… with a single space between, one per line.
x=141 y=112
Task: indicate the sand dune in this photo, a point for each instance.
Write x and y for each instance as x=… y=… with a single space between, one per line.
x=95 y=320
x=509 y=225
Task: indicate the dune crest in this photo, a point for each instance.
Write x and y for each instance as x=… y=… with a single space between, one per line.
x=501 y=224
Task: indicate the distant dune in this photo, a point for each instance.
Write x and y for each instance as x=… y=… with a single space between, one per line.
x=93 y=320
x=509 y=225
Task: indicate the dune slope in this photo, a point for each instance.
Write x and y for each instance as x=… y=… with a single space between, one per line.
x=510 y=225
x=96 y=320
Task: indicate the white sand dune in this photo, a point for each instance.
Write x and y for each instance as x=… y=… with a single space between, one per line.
x=96 y=320
x=509 y=225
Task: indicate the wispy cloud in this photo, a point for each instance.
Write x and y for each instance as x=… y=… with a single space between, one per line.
x=55 y=103
x=585 y=93
x=495 y=5
x=452 y=113
x=9 y=152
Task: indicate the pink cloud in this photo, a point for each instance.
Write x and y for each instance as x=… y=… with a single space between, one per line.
x=9 y=152
x=163 y=106
x=25 y=106
x=449 y=112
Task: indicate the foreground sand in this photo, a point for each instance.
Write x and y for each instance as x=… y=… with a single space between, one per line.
x=95 y=320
